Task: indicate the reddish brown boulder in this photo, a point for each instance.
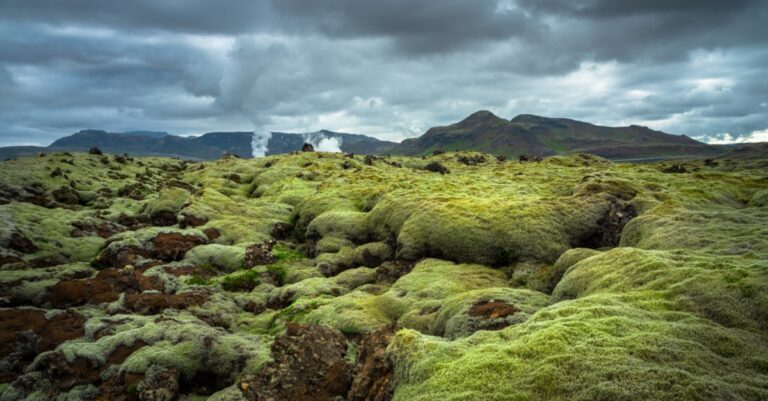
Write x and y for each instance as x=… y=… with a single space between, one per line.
x=154 y=303
x=24 y=333
x=259 y=254
x=492 y=309
x=373 y=370
x=309 y=364
x=106 y=286
x=212 y=233
x=188 y=220
x=172 y=246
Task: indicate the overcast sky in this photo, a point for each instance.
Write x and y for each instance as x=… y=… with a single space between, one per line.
x=389 y=69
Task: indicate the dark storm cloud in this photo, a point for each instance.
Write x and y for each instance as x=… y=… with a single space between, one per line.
x=195 y=16
x=386 y=68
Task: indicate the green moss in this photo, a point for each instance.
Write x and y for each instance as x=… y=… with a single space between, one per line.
x=50 y=230
x=454 y=319
x=370 y=255
x=576 y=350
x=241 y=281
x=226 y=258
x=168 y=200
x=285 y=254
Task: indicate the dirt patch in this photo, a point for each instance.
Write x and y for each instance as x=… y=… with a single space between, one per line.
x=172 y=246
x=309 y=364
x=24 y=333
x=492 y=309
x=212 y=233
x=106 y=286
x=154 y=303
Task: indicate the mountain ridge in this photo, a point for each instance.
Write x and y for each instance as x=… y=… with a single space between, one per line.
x=482 y=131
x=545 y=136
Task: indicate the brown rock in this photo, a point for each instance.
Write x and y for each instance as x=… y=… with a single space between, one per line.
x=281 y=231
x=309 y=364
x=212 y=233
x=436 y=167
x=172 y=246
x=259 y=254
x=164 y=218
x=18 y=242
x=66 y=195
x=373 y=379
x=154 y=303
x=188 y=220
x=24 y=333
x=492 y=309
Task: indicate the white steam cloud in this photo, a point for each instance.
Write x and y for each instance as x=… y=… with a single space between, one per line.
x=724 y=139
x=322 y=142
x=260 y=143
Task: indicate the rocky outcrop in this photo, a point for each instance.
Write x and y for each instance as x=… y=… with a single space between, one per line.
x=309 y=365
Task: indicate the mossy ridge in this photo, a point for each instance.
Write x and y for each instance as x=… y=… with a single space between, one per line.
x=576 y=350
x=50 y=231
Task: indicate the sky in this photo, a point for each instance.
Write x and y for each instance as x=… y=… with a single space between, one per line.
x=388 y=69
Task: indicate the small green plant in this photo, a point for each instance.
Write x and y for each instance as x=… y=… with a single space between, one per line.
x=285 y=254
x=241 y=281
x=350 y=329
x=279 y=271
x=198 y=280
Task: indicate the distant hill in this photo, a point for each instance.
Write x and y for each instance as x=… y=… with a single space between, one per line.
x=543 y=136
x=482 y=131
x=212 y=145
x=748 y=151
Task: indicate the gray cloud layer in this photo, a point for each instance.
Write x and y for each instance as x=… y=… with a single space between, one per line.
x=390 y=69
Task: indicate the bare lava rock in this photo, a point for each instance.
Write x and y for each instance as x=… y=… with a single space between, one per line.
x=309 y=364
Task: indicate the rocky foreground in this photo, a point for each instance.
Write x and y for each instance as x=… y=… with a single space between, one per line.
x=317 y=276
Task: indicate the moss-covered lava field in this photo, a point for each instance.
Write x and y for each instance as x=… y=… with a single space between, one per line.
x=324 y=276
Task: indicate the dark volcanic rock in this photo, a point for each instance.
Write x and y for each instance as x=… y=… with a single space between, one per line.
x=18 y=242
x=309 y=364
x=373 y=378
x=24 y=333
x=154 y=303
x=307 y=148
x=609 y=227
x=281 y=231
x=95 y=151
x=172 y=246
x=259 y=254
x=66 y=195
x=436 y=167
x=471 y=160
x=675 y=169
